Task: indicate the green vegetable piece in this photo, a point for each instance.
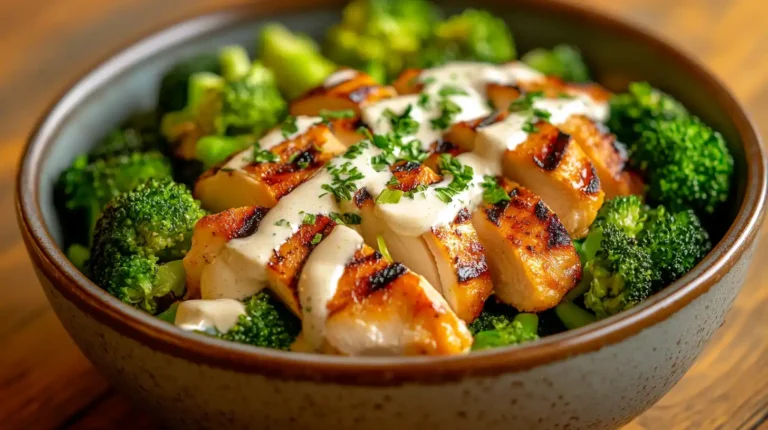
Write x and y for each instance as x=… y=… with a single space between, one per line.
x=562 y=61
x=473 y=35
x=295 y=60
x=173 y=92
x=573 y=316
x=78 y=255
x=235 y=62
x=522 y=328
x=212 y=150
x=638 y=106
x=169 y=315
x=138 y=231
x=380 y=37
x=266 y=323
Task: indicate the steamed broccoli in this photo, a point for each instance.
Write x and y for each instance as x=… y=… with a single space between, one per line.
x=687 y=164
x=294 y=59
x=137 y=134
x=474 y=35
x=173 y=94
x=562 y=61
x=641 y=104
x=501 y=325
x=632 y=250
x=85 y=188
x=267 y=323
x=251 y=102
x=675 y=241
x=380 y=37
x=139 y=240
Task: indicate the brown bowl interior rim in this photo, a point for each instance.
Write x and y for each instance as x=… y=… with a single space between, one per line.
x=75 y=287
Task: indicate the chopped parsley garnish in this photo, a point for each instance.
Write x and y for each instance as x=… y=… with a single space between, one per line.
x=389 y=196
x=403 y=124
x=383 y=248
x=289 y=126
x=330 y=115
x=354 y=151
x=264 y=156
x=343 y=185
x=393 y=182
x=415 y=190
x=282 y=222
x=309 y=219
x=530 y=126
x=451 y=90
x=393 y=149
x=462 y=176
x=492 y=191
x=423 y=100
x=564 y=96
x=448 y=111
x=428 y=80
x=347 y=218
x=524 y=103
x=226 y=169
x=303 y=164
x=316 y=239
x=542 y=114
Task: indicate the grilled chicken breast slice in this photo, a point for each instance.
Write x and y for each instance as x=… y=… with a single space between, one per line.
x=242 y=182
x=449 y=256
x=370 y=306
x=553 y=166
x=532 y=259
x=211 y=234
x=345 y=89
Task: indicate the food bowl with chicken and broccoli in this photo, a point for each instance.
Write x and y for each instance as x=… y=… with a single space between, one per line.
x=405 y=181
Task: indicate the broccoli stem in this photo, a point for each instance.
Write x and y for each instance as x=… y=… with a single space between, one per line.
x=577 y=292
x=235 y=62
x=529 y=323
x=169 y=315
x=78 y=255
x=573 y=316
x=201 y=84
x=171 y=278
x=212 y=150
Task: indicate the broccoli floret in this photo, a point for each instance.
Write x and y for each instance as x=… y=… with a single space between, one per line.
x=638 y=106
x=294 y=59
x=173 y=94
x=563 y=61
x=676 y=243
x=251 y=104
x=494 y=314
x=687 y=164
x=523 y=327
x=138 y=232
x=266 y=323
x=139 y=133
x=621 y=273
x=78 y=255
x=212 y=150
x=86 y=187
x=474 y=35
x=632 y=250
x=380 y=37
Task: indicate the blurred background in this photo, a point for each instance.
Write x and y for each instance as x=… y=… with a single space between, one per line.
x=46 y=383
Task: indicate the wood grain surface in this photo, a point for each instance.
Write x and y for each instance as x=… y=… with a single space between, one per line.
x=45 y=382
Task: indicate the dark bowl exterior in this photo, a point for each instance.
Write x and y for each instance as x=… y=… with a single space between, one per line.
x=597 y=376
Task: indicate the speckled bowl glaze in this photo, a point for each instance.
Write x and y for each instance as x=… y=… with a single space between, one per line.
x=599 y=376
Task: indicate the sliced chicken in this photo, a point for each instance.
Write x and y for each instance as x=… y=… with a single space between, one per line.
x=357 y=303
x=449 y=256
x=343 y=90
x=243 y=182
x=553 y=166
x=532 y=259
x=211 y=234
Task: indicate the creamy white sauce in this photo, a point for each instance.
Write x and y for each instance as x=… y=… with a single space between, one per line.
x=320 y=278
x=272 y=139
x=477 y=75
x=339 y=77
x=208 y=315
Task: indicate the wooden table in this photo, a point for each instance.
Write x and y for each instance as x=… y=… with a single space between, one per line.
x=45 y=382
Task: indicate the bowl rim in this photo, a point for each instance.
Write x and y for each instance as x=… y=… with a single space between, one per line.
x=51 y=262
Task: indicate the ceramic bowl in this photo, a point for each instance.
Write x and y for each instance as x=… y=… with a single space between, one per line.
x=599 y=376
